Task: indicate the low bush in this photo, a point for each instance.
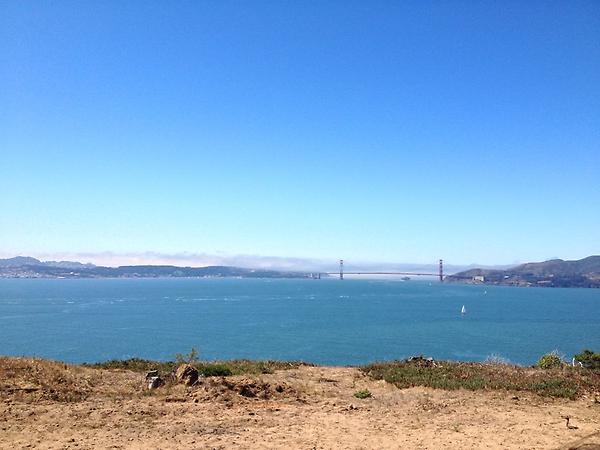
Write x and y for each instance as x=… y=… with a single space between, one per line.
x=550 y=361
x=214 y=370
x=588 y=359
x=365 y=393
x=136 y=365
x=208 y=369
x=563 y=381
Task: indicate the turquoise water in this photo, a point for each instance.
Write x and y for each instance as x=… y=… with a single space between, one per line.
x=321 y=321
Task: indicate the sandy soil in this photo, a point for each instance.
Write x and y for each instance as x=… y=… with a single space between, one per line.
x=305 y=408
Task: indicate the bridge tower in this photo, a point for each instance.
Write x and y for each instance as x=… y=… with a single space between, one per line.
x=341 y=269
x=441 y=270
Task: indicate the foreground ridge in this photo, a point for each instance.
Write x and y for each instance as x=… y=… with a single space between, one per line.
x=55 y=405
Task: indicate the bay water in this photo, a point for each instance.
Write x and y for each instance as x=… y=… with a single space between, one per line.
x=325 y=321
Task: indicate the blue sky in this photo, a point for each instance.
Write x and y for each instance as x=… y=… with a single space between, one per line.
x=373 y=131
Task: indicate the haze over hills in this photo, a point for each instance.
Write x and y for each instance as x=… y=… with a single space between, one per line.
x=19 y=261
x=254 y=266
x=257 y=262
x=28 y=267
x=553 y=273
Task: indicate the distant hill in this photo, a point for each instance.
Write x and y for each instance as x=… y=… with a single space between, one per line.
x=20 y=261
x=554 y=273
x=27 y=267
x=69 y=264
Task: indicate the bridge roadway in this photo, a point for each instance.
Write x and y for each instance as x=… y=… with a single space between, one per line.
x=437 y=275
x=440 y=274
x=383 y=273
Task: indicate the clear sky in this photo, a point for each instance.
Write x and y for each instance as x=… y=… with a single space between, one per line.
x=366 y=130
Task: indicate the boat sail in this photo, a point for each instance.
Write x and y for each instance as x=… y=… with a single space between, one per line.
x=463 y=310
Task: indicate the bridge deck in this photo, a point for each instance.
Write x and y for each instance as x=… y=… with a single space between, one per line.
x=399 y=273
x=382 y=273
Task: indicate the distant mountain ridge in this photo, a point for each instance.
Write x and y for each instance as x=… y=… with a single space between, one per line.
x=28 y=267
x=19 y=261
x=314 y=266
x=553 y=273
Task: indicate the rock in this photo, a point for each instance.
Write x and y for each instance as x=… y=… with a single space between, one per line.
x=151 y=374
x=421 y=361
x=187 y=374
x=155 y=382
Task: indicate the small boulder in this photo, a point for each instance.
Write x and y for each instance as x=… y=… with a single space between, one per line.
x=421 y=361
x=187 y=374
x=155 y=382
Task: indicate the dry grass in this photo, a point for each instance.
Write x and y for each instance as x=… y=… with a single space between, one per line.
x=46 y=404
x=29 y=378
x=33 y=379
x=564 y=382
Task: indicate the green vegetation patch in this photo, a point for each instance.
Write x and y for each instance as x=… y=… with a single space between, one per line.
x=563 y=381
x=208 y=369
x=589 y=359
x=214 y=370
x=135 y=365
x=365 y=393
x=550 y=361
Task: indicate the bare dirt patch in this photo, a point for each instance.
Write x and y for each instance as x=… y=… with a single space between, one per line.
x=304 y=407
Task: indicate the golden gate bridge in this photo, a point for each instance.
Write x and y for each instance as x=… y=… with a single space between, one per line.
x=341 y=273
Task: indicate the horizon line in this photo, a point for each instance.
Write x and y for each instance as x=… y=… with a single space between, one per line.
x=252 y=261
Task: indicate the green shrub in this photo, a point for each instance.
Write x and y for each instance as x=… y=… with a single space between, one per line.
x=550 y=361
x=561 y=382
x=588 y=359
x=555 y=387
x=365 y=393
x=136 y=365
x=215 y=370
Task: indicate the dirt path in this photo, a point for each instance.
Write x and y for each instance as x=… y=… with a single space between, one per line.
x=305 y=408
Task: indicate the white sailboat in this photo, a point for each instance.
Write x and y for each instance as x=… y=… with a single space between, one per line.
x=463 y=310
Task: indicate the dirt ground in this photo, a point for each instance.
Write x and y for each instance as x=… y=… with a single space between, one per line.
x=304 y=408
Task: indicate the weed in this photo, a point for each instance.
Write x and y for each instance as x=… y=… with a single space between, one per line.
x=365 y=393
x=496 y=359
x=191 y=358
